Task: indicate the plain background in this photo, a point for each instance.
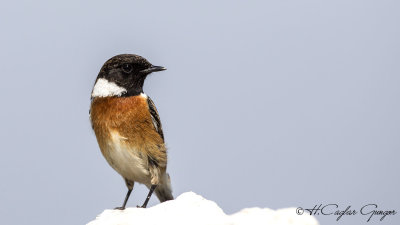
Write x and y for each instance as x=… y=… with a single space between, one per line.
x=264 y=104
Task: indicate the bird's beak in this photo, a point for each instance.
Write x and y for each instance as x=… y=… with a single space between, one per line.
x=153 y=69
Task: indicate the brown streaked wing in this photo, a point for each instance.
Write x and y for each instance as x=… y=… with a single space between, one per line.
x=155 y=117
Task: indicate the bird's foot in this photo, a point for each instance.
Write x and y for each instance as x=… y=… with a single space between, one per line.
x=143 y=206
x=120 y=208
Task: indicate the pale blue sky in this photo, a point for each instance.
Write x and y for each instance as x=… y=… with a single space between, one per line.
x=264 y=103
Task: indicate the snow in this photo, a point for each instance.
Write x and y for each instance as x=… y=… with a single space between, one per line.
x=190 y=208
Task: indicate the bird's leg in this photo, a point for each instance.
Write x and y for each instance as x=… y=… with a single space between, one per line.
x=125 y=201
x=129 y=184
x=148 y=196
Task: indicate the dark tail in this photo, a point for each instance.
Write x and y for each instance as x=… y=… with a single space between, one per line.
x=163 y=190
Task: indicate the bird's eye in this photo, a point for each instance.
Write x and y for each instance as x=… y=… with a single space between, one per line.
x=127 y=68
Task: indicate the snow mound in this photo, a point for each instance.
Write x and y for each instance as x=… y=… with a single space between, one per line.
x=190 y=208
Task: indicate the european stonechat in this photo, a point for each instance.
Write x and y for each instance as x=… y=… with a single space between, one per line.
x=127 y=125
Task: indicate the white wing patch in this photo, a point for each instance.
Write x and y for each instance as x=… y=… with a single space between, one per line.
x=143 y=95
x=104 y=88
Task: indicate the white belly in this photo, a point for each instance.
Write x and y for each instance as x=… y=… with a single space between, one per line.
x=127 y=161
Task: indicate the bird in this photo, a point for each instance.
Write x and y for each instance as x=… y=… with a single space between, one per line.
x=127 y=125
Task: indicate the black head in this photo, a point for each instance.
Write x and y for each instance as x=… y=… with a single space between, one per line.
x=123 y=75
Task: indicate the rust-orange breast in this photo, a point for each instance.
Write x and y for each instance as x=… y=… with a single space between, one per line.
x=130 y=117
